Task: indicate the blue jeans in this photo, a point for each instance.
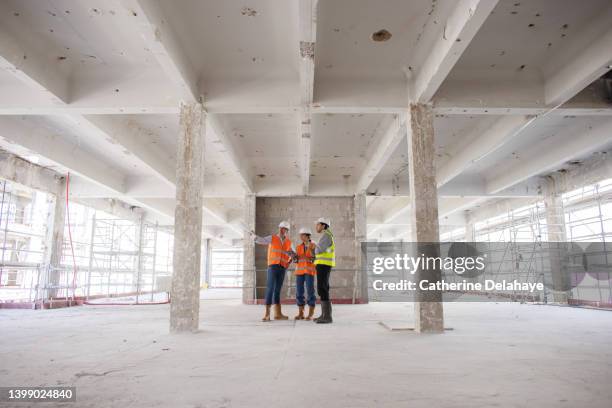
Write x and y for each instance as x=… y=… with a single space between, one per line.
x=275 y=279
x=299 y=289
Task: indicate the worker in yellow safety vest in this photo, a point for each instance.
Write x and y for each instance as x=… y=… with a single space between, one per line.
x=305 y=274
x=325 y=260
x=280 y=255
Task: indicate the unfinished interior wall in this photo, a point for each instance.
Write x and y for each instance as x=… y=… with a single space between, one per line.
x=303 y=212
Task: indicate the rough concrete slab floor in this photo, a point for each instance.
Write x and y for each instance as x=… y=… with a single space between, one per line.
x=505 y=355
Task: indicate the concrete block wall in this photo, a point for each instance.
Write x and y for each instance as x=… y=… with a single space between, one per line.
x=303 y=212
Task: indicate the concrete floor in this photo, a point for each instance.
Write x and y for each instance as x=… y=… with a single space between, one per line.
x=506 y=355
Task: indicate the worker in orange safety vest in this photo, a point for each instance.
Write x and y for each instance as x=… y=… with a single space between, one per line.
x=280 y=256
x=304 y=274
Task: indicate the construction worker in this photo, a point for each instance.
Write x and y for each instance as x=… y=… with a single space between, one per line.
x=305 y=273
x=279 y=258
x=325 y=260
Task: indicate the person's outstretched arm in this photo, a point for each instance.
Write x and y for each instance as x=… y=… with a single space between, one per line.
x=267 y=240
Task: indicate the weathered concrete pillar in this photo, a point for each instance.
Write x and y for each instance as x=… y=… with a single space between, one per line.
x=361 y=235
x=206 y=262
x=249 y=277
x=140 y=260
x=424 y=205
x=557 y=236
x=185 y=292
x=54 y=240
x=470 y=231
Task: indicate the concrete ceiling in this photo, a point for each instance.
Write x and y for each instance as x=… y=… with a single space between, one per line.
x=94 y=88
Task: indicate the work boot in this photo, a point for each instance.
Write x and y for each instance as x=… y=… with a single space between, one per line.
x=266 y=317
x=310 y=313
x=300 y=315
x=326 y=315
x=278 y=314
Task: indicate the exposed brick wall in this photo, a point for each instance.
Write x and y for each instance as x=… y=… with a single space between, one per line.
x=303 y=212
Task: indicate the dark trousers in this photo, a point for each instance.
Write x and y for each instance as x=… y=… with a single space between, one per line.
x=323 y=272
x=275 y=279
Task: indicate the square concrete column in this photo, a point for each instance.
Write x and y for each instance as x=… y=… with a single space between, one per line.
x=249 y=274
x=557 y=237
x=424 y=212
x=54 y=240
x=361 y=233
x=470 y=230
x=185 y=292
x=206 y=262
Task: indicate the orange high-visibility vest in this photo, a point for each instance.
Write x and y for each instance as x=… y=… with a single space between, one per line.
x=305 y=264
x=278 y=251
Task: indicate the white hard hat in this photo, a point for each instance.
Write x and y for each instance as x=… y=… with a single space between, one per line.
x=324 y=220
x=305 y=230
x=284 y=224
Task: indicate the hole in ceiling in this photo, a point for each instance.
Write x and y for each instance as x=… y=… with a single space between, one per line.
x=249 y=12
x=261 y=175
x=381 y=36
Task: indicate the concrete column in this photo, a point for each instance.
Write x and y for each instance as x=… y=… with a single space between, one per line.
x=185 y=292
x=206 y=261
x=361 y=234
x=54 y=240
x=424 y=205
x=555 y=224
x=140 y=261
x=249 y=277
x=470 y=232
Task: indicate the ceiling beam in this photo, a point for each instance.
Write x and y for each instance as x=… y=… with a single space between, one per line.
x=33 y=67
x=223 y=219
x=396 y=132
x=477 y=187
x=305 y=152
x=14 y=168
x=239 y=164
x=133 y=139
x=586 y=58
x=477 y=144
x=441 y=45
x=161 y=39
x=56 y=149
x=166 y=209
x=307 y=25
x=568 y=82
x=466 y=103
x=575 y=142
x=40 y=79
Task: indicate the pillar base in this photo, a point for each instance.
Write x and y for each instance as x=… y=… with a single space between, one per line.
x=561 y=297
x=428 y=317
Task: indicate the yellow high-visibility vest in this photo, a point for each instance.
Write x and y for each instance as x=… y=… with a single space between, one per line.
x=329 y=257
